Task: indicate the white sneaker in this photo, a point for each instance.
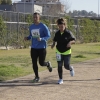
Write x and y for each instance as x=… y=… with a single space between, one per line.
x=60 y=81
x=72 y=73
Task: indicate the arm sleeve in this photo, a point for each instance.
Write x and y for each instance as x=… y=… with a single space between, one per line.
x=71 y=37
x=54 y=39
x=47 y=34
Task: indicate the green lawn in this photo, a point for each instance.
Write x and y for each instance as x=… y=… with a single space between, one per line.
x=16 y=63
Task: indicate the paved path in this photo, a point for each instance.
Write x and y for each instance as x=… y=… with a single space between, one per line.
x=85 y=85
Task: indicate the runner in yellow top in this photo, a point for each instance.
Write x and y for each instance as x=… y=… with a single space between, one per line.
x=64 y=38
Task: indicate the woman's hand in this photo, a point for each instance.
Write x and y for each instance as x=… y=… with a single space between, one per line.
x=70 y=43
x=52 y=46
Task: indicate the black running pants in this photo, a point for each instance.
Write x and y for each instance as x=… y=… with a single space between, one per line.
x=38 y=54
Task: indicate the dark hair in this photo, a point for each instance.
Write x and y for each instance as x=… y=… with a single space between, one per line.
x=61 y=21
x=36 y=13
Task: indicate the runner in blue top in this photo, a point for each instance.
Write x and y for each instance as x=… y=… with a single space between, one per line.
x=39 y=34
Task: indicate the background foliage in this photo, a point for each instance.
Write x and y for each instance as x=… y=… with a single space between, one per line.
x=84 y=29
x=5 y=2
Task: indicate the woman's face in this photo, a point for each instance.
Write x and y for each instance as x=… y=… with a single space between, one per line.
x=61 y=27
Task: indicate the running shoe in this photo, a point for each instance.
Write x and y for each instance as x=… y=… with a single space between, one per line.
x=60 y=81
x=72 y=73
x=36 y=79
x=49 y=66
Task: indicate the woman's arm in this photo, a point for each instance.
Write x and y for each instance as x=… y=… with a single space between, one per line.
x=53 y=44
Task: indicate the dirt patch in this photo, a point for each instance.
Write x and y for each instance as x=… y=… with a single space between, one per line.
x=85 y=85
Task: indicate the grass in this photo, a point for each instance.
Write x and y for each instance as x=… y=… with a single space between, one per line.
x=82 y=52
x=16 y=63
x=10 y=70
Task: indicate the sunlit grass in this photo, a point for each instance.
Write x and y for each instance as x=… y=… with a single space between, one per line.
x=9 y=70
x=87 y=51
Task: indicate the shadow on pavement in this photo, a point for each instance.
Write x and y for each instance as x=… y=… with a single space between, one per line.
x=30 y=83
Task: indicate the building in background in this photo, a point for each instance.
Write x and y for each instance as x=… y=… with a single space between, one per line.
x=26 y=6
x=46 y=7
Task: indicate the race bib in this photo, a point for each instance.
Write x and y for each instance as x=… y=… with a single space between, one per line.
x=58 y=57
x=35 y=33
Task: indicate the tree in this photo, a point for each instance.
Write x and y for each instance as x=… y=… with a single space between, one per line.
x=82 y=13
x=3 y=33
x=3 y=1
x=9 y=2
x=0 y=1
x=6 y=2
x=89 y=30
x=67 y=4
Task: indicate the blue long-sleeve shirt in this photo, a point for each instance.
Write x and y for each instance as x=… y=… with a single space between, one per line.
x=40 y=30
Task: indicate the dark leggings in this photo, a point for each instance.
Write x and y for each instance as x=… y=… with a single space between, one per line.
x=35 y=54
x=66 y=60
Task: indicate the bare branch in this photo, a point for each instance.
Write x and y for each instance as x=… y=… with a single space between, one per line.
x=66 y=3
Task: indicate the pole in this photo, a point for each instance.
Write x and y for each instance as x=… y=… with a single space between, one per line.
x=24 y=10
x=98 y=8
x=32 y=6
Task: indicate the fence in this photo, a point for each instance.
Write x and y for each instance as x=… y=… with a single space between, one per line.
x=17 y=25
x=85 y=30
x=16 y=20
